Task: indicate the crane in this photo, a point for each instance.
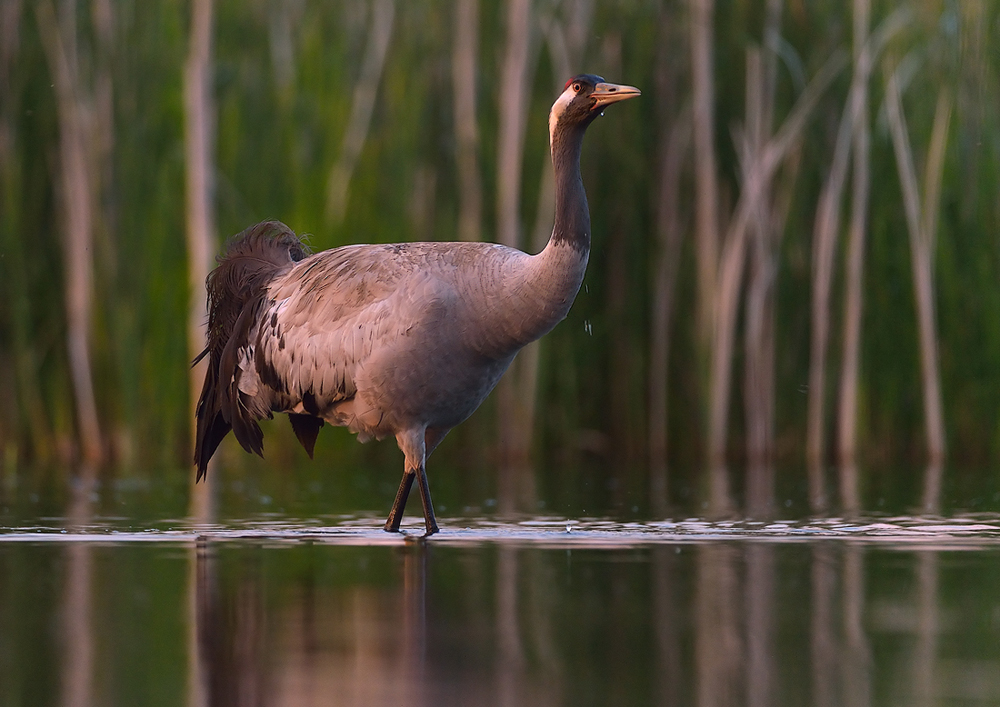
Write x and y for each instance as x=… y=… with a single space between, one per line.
x=403 y=340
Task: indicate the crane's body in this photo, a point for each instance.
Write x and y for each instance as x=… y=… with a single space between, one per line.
x=364 y=324
x=402 y=340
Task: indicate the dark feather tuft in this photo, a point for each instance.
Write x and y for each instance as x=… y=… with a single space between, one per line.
x=237 y=293
x=306 y=428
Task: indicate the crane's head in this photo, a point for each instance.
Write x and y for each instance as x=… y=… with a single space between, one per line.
x=584 y=98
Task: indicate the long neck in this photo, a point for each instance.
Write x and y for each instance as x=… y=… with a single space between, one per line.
x=572 y=217
x=539 y=289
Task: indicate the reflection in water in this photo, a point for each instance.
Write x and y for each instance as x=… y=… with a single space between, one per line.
x=198 y=582
x=354 y=646
x=717 y=640
x=510 y=667
x=856 y=652
x=760 y=648
x=414 y=618
x=666 y=616
x=927 y=630
x=77 y=610
x=310 y=621
x=78 y=634
x=824 y=650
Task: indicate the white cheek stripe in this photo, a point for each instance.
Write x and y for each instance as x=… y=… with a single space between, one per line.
x=557 y=110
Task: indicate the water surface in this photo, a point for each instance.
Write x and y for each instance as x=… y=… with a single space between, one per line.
x=277 y=610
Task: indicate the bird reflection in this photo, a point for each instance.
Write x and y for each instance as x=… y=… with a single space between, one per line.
x=313 y=645
x=415 y=615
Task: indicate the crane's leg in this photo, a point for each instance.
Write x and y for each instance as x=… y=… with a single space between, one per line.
x=432 y=438
x=396 y=514
x=430 y=522
x=413 y=443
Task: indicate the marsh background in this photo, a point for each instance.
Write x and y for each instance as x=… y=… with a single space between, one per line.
x=791 y=312
x=792 y=299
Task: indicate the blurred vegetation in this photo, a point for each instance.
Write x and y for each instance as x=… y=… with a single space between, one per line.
x=284 y=75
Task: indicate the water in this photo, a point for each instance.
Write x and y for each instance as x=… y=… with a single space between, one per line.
x=277 y=610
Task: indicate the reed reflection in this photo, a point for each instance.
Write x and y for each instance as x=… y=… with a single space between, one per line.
x=857 y=654
x=717 y=636
x=200 y=582
x=823 y=644
x=77 y=602
x=510 y=661
x=667 y=614
x=714 y=623
x=741 y=656
x=928 y=626
x=759 y=619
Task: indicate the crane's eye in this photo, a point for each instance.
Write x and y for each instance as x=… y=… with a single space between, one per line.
x=576 y=87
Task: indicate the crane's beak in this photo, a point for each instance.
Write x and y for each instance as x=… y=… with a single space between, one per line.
x=607 y=93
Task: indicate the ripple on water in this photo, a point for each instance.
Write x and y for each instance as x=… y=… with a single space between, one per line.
x=957 y=531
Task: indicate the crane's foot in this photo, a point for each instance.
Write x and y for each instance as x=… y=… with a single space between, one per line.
x=429 y=530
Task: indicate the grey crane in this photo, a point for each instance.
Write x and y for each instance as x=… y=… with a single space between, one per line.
x=404 y=340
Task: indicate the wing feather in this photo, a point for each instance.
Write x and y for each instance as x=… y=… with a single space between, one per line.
x=327 y=315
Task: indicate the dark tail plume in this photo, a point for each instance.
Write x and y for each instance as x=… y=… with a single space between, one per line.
x=237 y=291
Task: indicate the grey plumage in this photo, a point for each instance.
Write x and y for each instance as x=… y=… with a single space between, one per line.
x=402 y=340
